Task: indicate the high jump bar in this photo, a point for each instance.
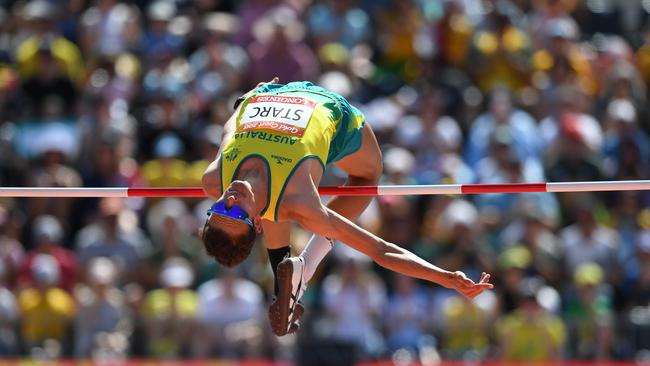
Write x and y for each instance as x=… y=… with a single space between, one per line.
x=385 y=190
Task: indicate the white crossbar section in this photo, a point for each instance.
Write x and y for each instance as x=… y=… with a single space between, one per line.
x=407 y=190
x=624 y=185
x=63 y=192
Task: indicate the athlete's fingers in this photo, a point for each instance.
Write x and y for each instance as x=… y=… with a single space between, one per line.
x=484 y=285
x=487 y=278
x=272 y=81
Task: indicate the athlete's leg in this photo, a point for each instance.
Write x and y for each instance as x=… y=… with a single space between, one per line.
x=283 y=318
x=364 y=168
x=277 y=237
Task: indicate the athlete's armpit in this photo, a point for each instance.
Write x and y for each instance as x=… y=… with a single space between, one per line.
x=276 y=234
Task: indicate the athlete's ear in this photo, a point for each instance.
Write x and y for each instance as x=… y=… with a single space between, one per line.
x=257 y=221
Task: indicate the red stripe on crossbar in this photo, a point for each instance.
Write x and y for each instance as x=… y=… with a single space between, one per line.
x=503 y=188
x=348 y=191
x=166 y=192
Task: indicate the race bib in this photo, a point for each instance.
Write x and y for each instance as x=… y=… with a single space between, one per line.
x=287 y=115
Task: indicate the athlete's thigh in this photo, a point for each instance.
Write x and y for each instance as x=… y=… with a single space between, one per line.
x=365 y=162
x=276 y=234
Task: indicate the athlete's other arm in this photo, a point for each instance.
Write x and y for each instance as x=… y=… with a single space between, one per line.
x=211 y=179
x=318 y=218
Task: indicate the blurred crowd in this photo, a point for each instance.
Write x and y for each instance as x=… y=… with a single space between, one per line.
x=108 y=93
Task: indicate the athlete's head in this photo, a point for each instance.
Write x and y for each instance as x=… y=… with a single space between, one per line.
x=232 y=225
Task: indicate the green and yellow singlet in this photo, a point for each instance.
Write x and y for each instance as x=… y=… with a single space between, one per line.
x=285 y=124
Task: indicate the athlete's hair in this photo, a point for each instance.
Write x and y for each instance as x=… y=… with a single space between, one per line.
x=228 y=250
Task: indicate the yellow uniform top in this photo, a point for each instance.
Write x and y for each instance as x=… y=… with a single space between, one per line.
x=286 y=124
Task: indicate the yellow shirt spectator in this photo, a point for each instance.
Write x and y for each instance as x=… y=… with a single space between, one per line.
x=643 y=61
x=165 y=172
x=161 y=304
x=64 y=51
x=169 y=313
x=543 y=61
x=534 y=338
x=465 y=325
x=45 y=314
x=502 y=58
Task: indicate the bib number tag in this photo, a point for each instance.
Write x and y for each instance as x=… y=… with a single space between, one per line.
x=287 y=115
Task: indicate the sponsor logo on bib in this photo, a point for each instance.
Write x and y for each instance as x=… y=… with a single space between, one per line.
x=283 y=114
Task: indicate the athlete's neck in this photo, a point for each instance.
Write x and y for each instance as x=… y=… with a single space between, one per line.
x=257 y=175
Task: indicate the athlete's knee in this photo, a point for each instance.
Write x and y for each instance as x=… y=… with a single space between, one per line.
x=374 y=168
x=378 y=166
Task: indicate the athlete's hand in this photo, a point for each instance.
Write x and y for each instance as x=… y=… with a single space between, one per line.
x=275 y=80
x=468 y=288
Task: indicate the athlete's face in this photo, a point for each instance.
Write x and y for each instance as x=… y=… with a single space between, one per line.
x=238 y=193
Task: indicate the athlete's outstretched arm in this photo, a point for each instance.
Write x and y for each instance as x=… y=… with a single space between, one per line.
x=323 y=221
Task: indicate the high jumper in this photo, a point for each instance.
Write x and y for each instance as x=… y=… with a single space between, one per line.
x=266 y=175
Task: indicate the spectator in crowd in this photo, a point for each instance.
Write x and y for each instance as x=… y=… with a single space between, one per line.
x=9 y=316
x=170 y=311
x=577 y=154
x=109 y=28
x=157 y=40
x=459 y=245
x=55 y=149
x=49 y=92
x=46 y=310
x=231 y=319
x=219 y=64
x=405 y=317
x=102 y=321
x=433 y=136
x=338 y=21
x=464 y=328
x=355 y=295
x=401 y=27
x=589 y=315
x=167 y=169
x=280 y=50
x=589 y=241
x=115 y=235
x=532 y=230
x=640 y=292
x=514 y=263
x=12 y=252
x=455 y=31
x=501 y=50
x=502 y=112
x=530 y=332
x=171 y=226
x=49 y=64
x=567 y=110
x=48 y=237
x=626 y=148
